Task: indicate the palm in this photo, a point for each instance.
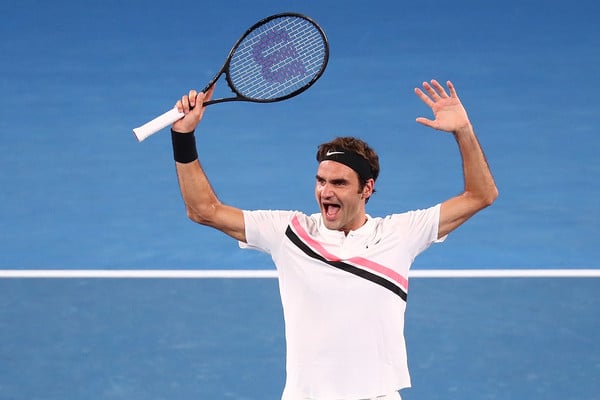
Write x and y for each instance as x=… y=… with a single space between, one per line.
x=449 y=113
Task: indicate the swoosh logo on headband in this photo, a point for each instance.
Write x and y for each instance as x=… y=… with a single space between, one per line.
x=330 y=153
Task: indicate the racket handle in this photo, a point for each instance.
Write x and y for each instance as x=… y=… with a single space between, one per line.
x=158 y=123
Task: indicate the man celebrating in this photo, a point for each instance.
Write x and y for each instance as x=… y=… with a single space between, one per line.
x=343 y=275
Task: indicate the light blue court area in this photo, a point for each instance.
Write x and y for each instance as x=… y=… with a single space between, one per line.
x=527 y=338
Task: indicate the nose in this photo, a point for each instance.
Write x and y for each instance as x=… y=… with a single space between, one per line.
x=326 y=190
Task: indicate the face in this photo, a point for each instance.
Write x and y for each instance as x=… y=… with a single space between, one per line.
x=337 y=192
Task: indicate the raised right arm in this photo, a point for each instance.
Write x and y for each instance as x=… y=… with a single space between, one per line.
x=201 y=202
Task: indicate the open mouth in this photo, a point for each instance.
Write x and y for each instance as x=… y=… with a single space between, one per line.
x=331 y=210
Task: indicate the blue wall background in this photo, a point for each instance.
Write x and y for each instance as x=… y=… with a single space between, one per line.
x=79 y=192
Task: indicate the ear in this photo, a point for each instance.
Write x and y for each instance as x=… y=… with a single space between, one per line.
x=368 y=189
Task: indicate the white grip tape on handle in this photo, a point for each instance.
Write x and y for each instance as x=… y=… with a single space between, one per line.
x=157 y=124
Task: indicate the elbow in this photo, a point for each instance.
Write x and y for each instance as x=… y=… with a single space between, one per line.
x=195 y=217
x=198 y=216
x=490 y=196
x=483 y=198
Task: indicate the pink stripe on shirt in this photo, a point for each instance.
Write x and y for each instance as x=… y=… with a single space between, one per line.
x=358 y=261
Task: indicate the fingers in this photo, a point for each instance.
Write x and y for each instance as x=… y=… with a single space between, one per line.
x=187 y=102
x=191 y=105
x=452 y=89
x=192 y=96
x=435 y=96
x=423 y=97
x=209 y=93
x=425 y=121
x=433 y=92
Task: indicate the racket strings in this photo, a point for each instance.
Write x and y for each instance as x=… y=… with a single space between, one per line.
x=277 y=59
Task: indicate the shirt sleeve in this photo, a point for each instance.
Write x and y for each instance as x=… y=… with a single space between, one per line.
x=422 y=228
x=265 y=229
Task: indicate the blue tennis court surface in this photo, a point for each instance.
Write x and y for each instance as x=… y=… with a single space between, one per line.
x=223 y=338
x=78 y=192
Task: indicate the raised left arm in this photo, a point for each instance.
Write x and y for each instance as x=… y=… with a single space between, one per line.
x=480 y=190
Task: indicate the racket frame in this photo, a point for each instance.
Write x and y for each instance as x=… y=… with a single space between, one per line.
x=169 y=117
x=225 y=67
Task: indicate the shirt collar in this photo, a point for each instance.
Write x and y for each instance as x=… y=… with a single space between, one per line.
x=364 y=230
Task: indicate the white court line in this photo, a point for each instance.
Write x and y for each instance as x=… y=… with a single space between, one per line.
x=204 y=274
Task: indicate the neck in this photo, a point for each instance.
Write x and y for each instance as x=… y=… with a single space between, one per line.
x=355 y=226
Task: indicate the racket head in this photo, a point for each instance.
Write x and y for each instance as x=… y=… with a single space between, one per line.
x=277 y=58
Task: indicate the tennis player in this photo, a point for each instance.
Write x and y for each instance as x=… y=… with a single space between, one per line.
x=343 y=275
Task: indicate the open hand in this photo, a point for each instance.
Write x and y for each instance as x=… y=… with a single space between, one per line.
x=449 y=113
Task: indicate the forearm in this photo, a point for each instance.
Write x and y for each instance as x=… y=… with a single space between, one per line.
x=478 y=180
x=198 y=195
x=200 y=200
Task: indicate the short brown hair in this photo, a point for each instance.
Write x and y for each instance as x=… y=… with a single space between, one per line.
x=355 y=145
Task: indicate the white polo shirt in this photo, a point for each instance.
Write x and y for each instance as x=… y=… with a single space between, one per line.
x=343 y=298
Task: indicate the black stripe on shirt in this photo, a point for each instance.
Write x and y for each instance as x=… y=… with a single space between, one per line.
x=345 y=267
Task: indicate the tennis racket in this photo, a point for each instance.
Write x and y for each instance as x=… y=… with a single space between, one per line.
x=277 y=58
